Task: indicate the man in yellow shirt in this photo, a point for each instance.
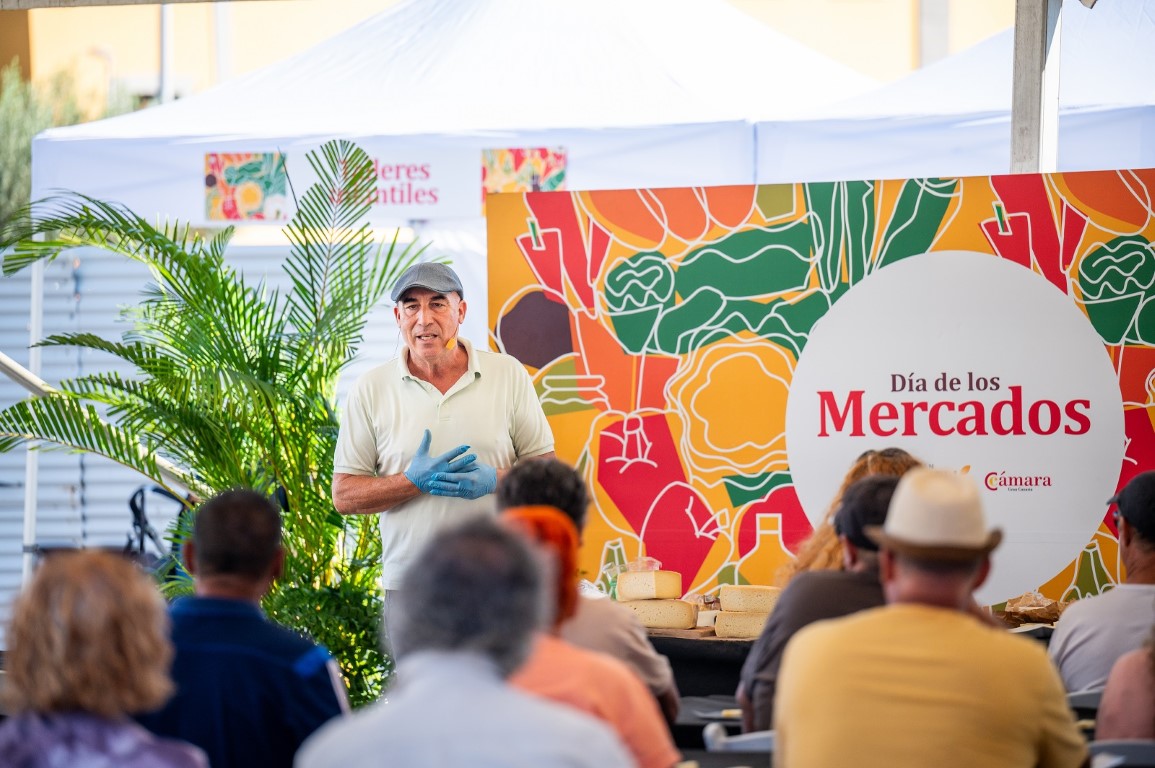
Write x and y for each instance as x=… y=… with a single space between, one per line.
x=922 y=680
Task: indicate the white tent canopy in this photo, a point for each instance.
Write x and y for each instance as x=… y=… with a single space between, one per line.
x=640 y=93
x=455 y=66
x=953 y=118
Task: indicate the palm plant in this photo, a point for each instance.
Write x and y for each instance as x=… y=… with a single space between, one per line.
x=235 y=383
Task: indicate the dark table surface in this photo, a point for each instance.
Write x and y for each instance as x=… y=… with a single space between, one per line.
x=703 y=666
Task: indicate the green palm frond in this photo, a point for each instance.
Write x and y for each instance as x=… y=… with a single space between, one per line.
x=337 y=275
x=219 y=242
x=166 y=415
x=62 y=421
x=142 y=356
x=68 y=221
x=328 y=234
x=108 y=388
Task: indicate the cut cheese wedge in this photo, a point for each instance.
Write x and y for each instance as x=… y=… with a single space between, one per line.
x=649 y=585
x=740 y=624
x=748 y=597
x=707 y=618
x=664 y=614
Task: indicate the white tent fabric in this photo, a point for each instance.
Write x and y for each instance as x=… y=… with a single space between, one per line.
x=640 y=93
x=952 y=118
x=453 y=66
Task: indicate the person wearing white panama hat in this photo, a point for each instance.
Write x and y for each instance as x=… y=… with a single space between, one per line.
x=922 y=681
x=936 y=516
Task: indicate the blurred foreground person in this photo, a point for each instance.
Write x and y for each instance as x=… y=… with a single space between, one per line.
x=1127 y=709
x=922 y=680
x=817 y=595
x=464 y=620
x=87 y=647
x=592 y=682
x=823 y=550
x=598 y=623
x=1094 y=632
x=249 y=692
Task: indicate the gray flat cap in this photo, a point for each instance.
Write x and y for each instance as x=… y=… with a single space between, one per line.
x=438 y=278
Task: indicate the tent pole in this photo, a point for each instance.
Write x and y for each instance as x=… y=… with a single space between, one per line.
x=31 y=457
x=167 y=37
x=933 y=31
x=1035 y=97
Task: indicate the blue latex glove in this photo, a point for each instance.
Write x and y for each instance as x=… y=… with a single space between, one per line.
x=424 y=468
x=473 y=483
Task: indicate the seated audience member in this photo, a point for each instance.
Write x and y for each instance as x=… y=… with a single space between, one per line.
x=817 y=595
x=1094 y=632
x=87 y=647
x=592 y=682
x=249 y=692
x=922 y=680
x=464 y=619
x=598 y=623
x=1127 y=708
x=822 y=550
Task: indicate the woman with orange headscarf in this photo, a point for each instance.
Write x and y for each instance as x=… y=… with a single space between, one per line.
x=592 y=682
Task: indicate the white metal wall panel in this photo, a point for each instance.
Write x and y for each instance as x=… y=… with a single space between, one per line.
x=81 y=499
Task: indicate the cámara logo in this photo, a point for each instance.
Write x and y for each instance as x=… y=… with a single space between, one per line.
x=1001 y=481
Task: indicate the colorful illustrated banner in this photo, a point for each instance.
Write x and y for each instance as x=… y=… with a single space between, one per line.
x=246 y=186
x=537 y=169
x=714 y=359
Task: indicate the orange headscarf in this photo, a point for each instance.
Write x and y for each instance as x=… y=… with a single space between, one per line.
x=555 y=531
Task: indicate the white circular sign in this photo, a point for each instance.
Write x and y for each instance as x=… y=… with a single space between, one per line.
x=975 y=364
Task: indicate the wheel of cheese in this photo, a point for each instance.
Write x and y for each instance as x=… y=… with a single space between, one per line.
x=750 y=598
x=740 y=624
x=649 y=585
x=664 y=614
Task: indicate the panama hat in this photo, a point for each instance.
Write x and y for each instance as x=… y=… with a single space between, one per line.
x=936 y=515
